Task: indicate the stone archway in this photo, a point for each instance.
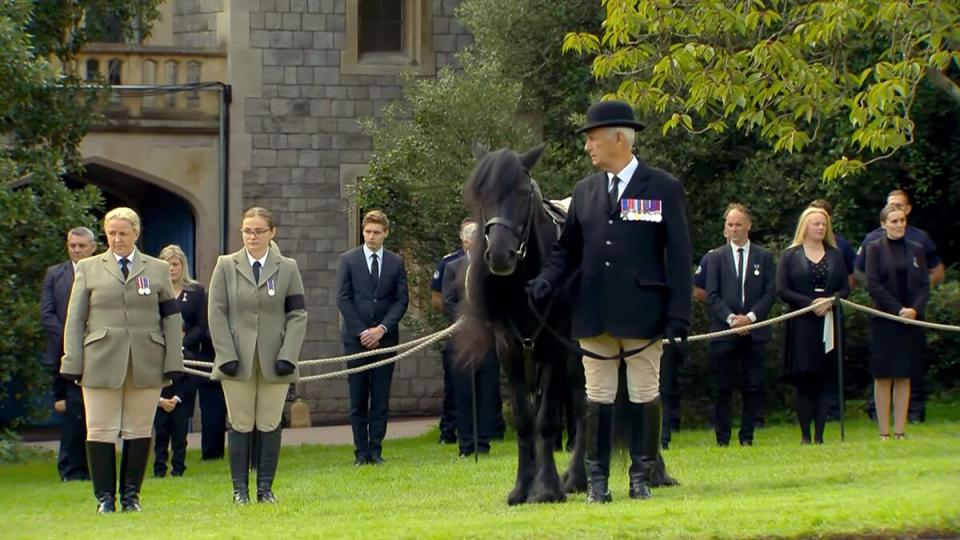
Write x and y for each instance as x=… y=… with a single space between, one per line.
x=168 y=213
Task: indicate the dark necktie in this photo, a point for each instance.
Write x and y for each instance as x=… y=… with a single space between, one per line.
x=374 y=271
x=256 y=271
x=740 y=272
x=614 y=194
x=124 y=269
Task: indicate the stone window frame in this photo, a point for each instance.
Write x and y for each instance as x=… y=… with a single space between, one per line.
x=417 y=55
x=350 y=174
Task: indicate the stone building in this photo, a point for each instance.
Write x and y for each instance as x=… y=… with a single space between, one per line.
x=281 y=131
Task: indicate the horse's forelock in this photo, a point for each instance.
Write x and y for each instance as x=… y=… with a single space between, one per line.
x=495 y=176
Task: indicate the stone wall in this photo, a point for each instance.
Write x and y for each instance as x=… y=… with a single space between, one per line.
x=195 y=22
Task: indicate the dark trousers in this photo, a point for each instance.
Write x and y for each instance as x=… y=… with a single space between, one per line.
x=72 y=459
x=213 y=419
x=736 y=362
x=670 y=362
x=170 y=430
x=484 y=382
x=448 y=415
x=369 y=403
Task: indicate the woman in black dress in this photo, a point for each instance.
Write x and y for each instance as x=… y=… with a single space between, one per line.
x=175 y=407
x=899 y=284
x=811 y=272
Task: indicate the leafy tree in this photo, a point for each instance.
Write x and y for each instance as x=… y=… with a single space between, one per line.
x=44 y=113
x=783 y=70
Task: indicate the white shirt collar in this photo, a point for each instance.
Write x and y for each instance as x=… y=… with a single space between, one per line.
x=734 y=248
x=261 y=260
x=625 y=175
x=129 y=257
x=75 y=265
x=367 y=253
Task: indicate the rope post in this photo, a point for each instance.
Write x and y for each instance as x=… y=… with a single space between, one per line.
x=838 y=317
x=473 y=403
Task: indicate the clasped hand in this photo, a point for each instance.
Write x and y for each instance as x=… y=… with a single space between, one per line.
x=370 y=338
x=822 y=305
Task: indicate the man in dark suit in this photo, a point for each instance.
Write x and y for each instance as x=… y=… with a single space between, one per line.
x=741 y=283
x=627 y=233
x=483 y=382
x=372 y=298
x=67 y=397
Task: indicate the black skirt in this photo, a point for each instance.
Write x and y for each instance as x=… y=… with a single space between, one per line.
x=803 y=354
x=895 y=348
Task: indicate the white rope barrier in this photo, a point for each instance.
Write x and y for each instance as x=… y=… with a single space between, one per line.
x=424 y=341
x=892 y=317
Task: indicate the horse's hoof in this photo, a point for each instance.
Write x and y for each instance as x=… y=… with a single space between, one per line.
x=664 y=481
x=574 y=485
x=515 y=498
x=547 y=497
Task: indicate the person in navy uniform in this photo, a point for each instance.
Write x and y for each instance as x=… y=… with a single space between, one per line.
x=899 y=284
x=372 y=298
x=627 y=233
x=67 y=397
x=918 y=379
x=484 y=382
x=175 y=407
x=448 y=415
x=740 y=292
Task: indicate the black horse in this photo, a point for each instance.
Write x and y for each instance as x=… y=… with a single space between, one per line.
x=517 y=234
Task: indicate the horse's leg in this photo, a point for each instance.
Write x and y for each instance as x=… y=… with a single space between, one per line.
x=546 y=484
x=574 y=479
x=523 y=423
x=660 y=477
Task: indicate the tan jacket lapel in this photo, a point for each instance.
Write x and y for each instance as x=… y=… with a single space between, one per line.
x=273 y=264
x=111 y=266
x=243 y=266
x=139 y=265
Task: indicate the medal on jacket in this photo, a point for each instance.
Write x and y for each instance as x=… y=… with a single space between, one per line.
x=271 y=287
x=756 y=269
x=184 y=299
x=143 y=285
x=915 y=265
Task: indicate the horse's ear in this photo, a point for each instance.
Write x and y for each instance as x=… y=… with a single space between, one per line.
x=479 y=151
x=530 y=158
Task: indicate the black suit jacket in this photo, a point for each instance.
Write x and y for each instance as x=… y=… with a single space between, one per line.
x=53 y=311
x=882 y=277
x=723 y=288
x=635 y=274
x=794 y=280
x=361 y=306
x=451 y=287
x=196 y=333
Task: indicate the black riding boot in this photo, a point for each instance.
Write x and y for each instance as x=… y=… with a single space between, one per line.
x=267 y=464
x=599 y=441
x=133 y=466
x=644 y=446
x=239 y=451
x=102 y=459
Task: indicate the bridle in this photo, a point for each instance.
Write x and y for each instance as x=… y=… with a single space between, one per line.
x=523 y=235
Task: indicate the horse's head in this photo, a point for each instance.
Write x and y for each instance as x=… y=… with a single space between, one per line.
x=503 y=199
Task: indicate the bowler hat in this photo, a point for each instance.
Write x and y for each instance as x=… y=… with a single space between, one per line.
x=611 y=114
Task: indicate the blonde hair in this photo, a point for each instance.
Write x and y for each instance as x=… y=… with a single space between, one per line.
x=172 y=251
x=124 y=213
x=378 y=217
x=801 y=233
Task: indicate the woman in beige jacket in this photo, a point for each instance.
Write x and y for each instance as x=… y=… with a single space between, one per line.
x=122 y=343
x=257 y=322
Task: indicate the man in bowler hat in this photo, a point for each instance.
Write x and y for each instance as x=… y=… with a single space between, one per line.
x=627 y=233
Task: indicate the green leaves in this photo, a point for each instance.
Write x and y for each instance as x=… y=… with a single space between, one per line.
x=778 y=69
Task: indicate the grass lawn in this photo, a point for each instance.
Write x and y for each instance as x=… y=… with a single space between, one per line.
x=777 y=488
